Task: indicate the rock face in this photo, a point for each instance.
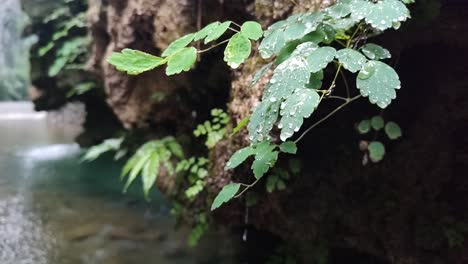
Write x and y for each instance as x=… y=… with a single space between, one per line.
x=398 y=210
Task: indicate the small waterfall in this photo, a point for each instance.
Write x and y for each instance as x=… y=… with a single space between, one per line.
x=14 y=51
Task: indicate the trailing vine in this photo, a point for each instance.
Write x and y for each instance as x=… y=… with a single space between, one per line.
x=301 y=50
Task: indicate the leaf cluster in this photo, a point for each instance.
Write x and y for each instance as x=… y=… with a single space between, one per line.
x=214 y=130
x=195 y=170
x=148 y=159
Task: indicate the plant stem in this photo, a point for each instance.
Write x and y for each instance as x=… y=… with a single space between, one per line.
x=247 y=187
x=236 y=24
x=233 y=29
x=346 y=84
x=348 y=101
x=338 y=97
x=214 y=46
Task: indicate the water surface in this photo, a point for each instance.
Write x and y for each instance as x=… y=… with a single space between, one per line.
x=55 y=210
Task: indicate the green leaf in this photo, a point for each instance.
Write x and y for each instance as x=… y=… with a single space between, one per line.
x=286 y=52
x=315 y=80
x=134 y=61
x=290 y=75
x=260 y=73
x=340 y=9
x=262 y=120
x=301 y=104
x=376 y=151
x=217 y=32
x=351 y=60
x=288 y=147
x=378 y=81
x=377 y=123
x=178 y=44
x=364 y=126
x=271 y=183
x=237 y=50
x=393 y=130
x=136 y=170
x=239 y=156
x=320 y=58
x=295 y=166
x=382 y=14
x=107 y=145
x=265 y=158
x=225 y=195
x=241 y=124
x=375 y=52
x=150 y=173
x=181 y=61
x=285 y=31
x=252 y=30
x=203 y=33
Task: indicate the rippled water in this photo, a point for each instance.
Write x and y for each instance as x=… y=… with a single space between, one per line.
x=54 y=210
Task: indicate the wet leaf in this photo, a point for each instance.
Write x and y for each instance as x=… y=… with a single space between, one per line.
x=315 y=80
x=351 y=60
x=285 y=31
x=376 y=151
x=378 y=81
x=260 y=73
x=237 y=50
x=375 y=52
x=393 y=130
x=381 y=14
x=320 y=58
x=301 y=104
x=252 y=30
x=178 y=44
x=134 y=61
x=340 y=9
x=181 y=61
x=225 y=195
x=150 y=173
x=292 y=74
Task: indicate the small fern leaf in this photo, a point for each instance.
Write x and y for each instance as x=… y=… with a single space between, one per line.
x=150 y=173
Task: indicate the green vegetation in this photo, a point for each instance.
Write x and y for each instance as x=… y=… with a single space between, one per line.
x=302 y=49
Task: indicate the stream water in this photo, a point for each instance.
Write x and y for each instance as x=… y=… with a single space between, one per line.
x=56 y=210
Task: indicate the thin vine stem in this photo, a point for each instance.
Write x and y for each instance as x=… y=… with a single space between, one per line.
x=346 y=84
x=338 y=97
x=247 y=187
x=348 y=101
x=236 y=24
x=214 y=46
x=233 y=29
